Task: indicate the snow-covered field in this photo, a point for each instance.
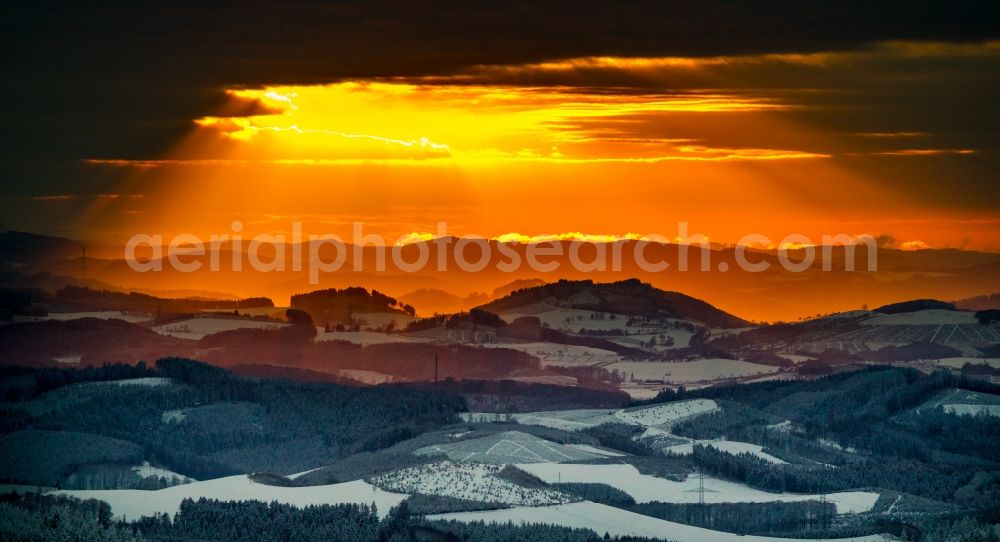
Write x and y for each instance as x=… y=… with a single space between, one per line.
x=133 y=503
x=689 y=371
x=471 y=481
x=644 y=488
x=196 y=328
x=617 y=522
x=666 y=413
x=509 y=447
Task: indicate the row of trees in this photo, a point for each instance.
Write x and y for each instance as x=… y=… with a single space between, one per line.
x=40 y=518
x=773 y=518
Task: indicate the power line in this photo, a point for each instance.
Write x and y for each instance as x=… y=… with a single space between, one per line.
x=824 y=518
x=701 y=490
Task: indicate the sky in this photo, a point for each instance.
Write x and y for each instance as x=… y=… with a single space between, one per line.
x=540 y=119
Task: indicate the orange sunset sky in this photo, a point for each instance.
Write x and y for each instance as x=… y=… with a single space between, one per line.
x=881 y=136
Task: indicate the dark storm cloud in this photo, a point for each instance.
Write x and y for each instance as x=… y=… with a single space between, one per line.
x=124 y=80
x=919 y=118
x=301 y=42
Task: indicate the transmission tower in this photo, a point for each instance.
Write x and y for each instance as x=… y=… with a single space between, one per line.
x=701 y=490
x=824 y=519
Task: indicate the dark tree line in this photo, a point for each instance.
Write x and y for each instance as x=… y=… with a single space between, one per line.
x=37 y=518
x=773 y=518
x=263 y=425
x=41 y=518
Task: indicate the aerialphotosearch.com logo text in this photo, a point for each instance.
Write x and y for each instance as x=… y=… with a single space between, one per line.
x=328 y=253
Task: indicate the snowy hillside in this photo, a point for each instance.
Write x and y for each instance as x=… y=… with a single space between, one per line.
x=667 y=413
x=469 y=481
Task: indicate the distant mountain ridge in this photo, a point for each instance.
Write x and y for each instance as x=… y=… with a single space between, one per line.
x=630 y=297
x=433 y=300
x=28 y=260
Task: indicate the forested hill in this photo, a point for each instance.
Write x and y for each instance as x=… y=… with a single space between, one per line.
x=631 y=297
x=341 y=306
x=877 y=427
x=198 y=420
